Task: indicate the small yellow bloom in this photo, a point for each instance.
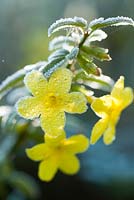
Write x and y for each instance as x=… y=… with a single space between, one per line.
x=109 y=108
x=59 y=156
x=50 y=99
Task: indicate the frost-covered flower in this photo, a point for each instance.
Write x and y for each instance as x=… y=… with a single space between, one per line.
x=109 y=108
x=60 y=155
x=51 y=99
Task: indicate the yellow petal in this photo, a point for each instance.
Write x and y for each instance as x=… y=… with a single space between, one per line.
x=28 y=107
x=69 y=164
x=60 y=81
x=75 y=102
x=109 y=135
x=53 y=122
x=118 y=88
x=48 y=169
x=101 y=106
x=38 y=152
x=126 y=97
x=98 y=130
x=36 y=83
x=114 y=117
x=53 y=140
x=76 y=144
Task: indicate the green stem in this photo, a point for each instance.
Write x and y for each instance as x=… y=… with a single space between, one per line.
x=88 y=93
x=86 y=34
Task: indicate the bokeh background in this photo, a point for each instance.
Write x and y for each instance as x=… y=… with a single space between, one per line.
x=107 y=173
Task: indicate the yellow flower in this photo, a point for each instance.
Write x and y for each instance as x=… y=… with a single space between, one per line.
x=50 y=99
x=59 y=156
x=109 y=108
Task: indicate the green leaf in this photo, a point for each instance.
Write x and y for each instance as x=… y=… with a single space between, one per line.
x=61 y=42
x=16 y=79
x=10 y=82
x=58 y=54
x=87 y=65
x=102 y=82
x=73 y=54
x=113 y=21
x=97 y=35
x=61 y=60
x=25 y=183
x=54 y=65
x=56 y=59
x=14 y=95
x=5 y=110
x=97 y=52
x=10 y=121
x=66 y=23
x=7 y=121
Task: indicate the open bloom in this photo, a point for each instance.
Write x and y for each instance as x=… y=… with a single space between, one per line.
x=58 y=156
x=109 y=108
x=50 y=99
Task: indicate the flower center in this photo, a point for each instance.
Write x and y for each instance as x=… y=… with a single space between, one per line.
x=52 y=99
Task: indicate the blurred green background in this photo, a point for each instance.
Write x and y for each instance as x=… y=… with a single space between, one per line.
x=106 y=172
